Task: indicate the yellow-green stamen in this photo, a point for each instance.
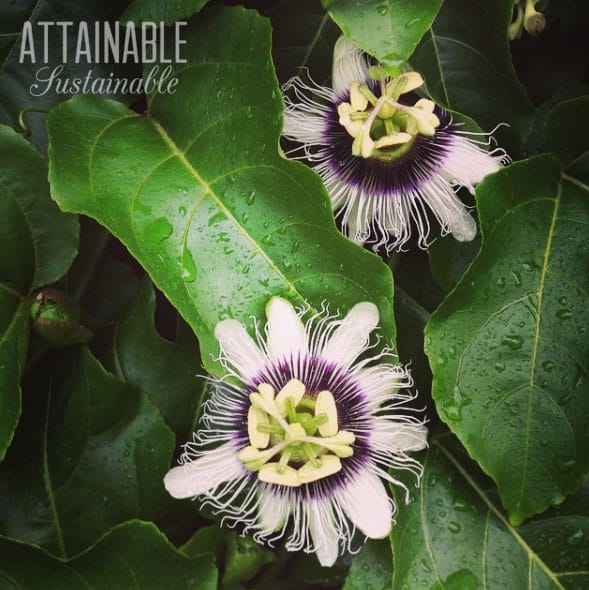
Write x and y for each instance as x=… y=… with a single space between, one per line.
x=383 y=127
x=300 y=429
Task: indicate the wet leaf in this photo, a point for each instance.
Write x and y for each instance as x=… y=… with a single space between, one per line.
x=90 y=452
x=508 y=346
x=42 y=83
x=132 y=555
x=38 y=243
x=199 y=195
x=303 y=36
x=156 y=11
x=389 y=30
x=170 y=373
x=371 y=568
x=467 y=67
x=452 y=537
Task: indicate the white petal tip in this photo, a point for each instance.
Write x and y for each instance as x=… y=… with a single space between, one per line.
x=226 y=329
x=179 y=484
x=464 y=230
x=279 y=306
x=366 y=313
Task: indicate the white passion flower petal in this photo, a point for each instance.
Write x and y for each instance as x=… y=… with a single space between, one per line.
x=323 y=532
x=374 y=514
x=295 y=444
x=239 y=350
x=286 y=336
x=205 y=474
x=349 y=65
x=389 y=161
x=352 y=334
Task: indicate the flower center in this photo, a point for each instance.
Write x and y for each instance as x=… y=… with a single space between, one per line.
x=298 y=429
x=383 y=127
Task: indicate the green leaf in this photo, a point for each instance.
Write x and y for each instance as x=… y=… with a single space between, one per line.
x=132 y=555
x=449 y=259
x=199 y=195
x=22 y=83
x=389 y=30
x=14 y=321
x=47 y=239
x=452 y=537
x=467 y=67
x=508 y=347
x=303 y=36
x=561 y=538
x=567 y=129
x=39 y=243
x=244 y=558
x=371 y=568
x=90 y=452
x=168 y=372
x=156 y=11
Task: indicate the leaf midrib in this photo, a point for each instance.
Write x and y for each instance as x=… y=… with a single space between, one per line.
x=539 y=315
x=532 y=556
x=208 y=191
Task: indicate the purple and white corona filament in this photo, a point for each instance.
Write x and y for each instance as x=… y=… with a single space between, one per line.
x=387 y=157
x=300 y=440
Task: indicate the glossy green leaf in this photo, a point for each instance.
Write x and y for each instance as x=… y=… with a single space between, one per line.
x=28 y=85
x=170 y=373
x=452 y=537
x=156 y=11
x=244 y=558
x=508 y=347
x=134 y=555
x=200 y=196
x=91 y=453
x=38 y=243
x=303 y=36
x=467 y=67
x=567 y=128
x=449 y=259
x=561 y=538
x=389 y=30
x=372 y=568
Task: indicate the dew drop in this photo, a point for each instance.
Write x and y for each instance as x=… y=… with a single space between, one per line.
x=159 y=230
x=188 y=267
x=565 y=464
x=513 y=341
x=575 y=538
x=412 y=23
x=499 y=367
x=564 y=314
x=454 y=527
x=548 y=366
x=251 y=198
x=383 y=9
